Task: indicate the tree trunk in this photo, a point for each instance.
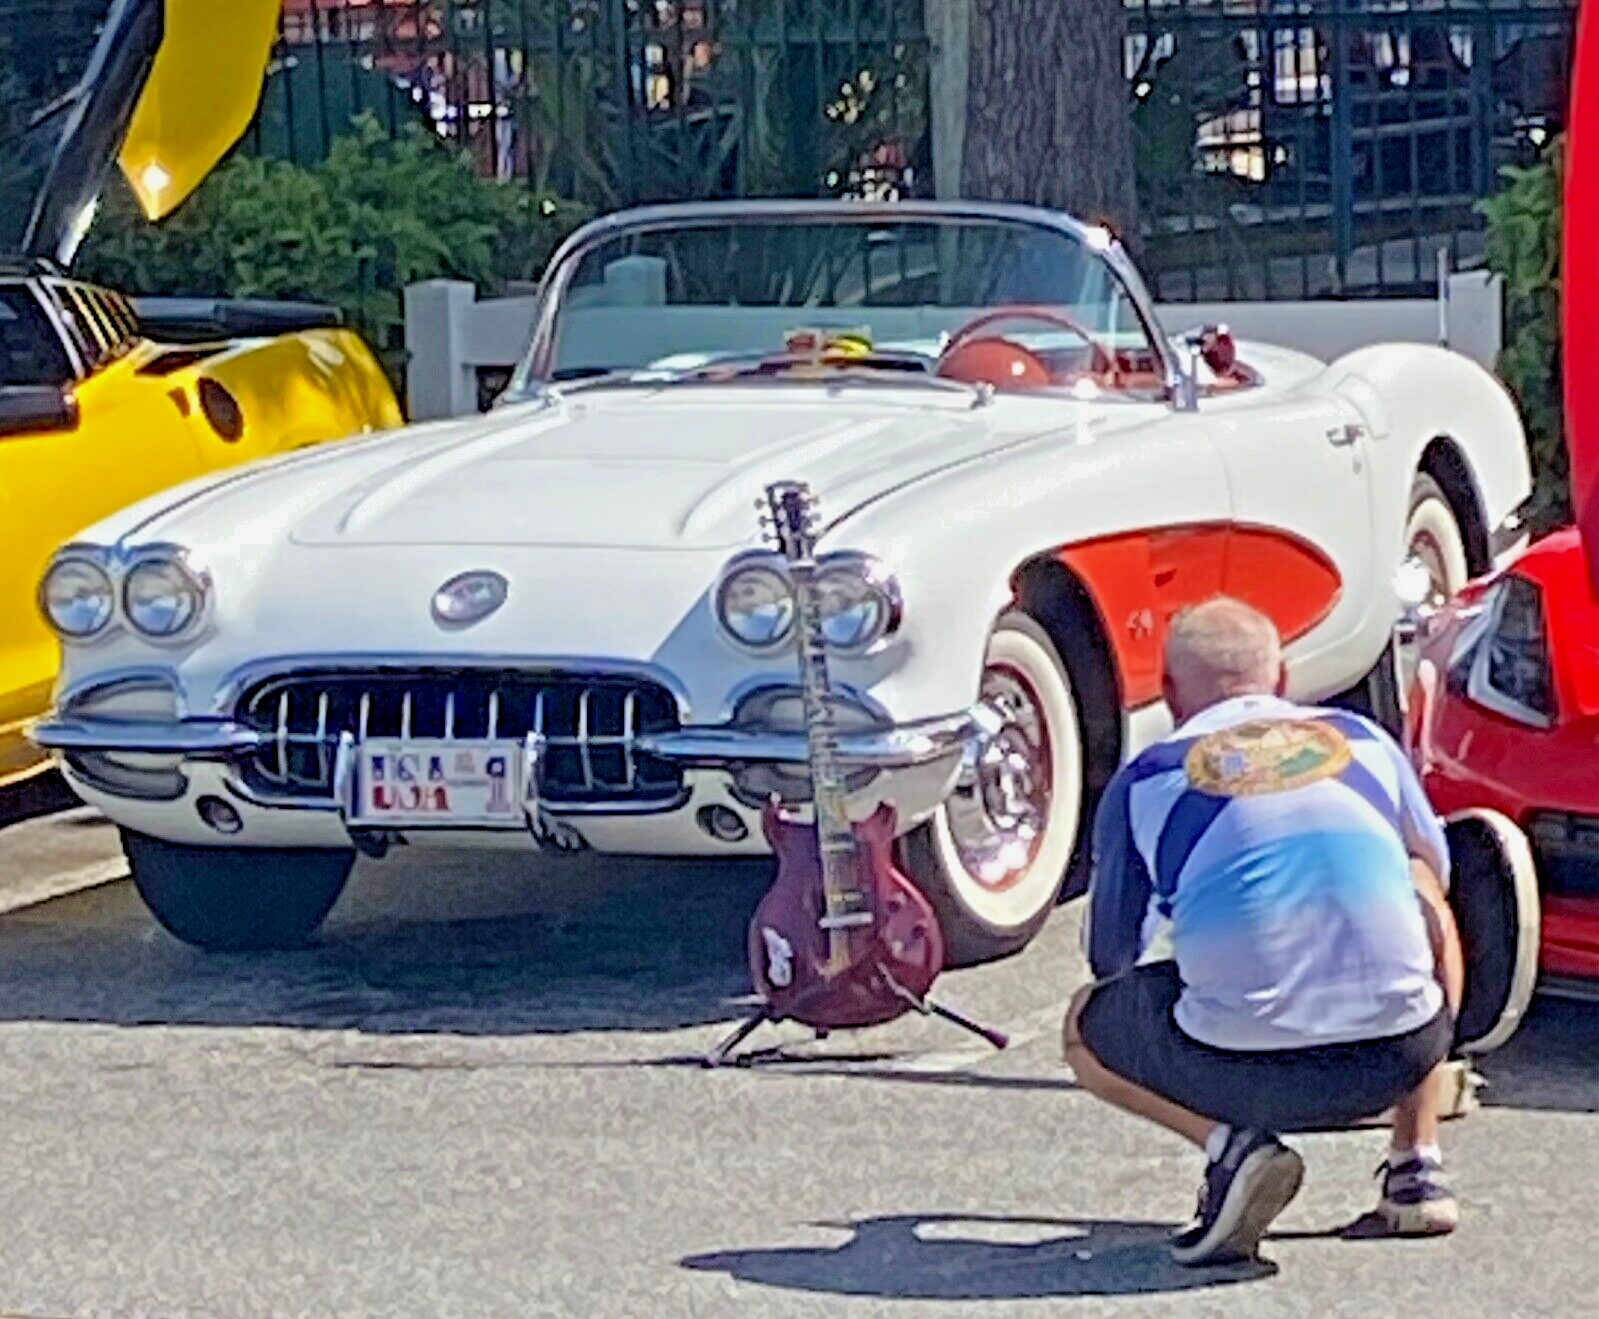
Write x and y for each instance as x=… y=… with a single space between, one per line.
x=1048 y=115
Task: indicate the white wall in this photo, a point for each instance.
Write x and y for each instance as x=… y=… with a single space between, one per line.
x=449 y=334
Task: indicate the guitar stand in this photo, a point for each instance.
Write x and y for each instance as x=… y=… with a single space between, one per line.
x=928 y=1008
x=722 y=1053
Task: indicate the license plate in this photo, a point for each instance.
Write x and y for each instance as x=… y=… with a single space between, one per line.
x=437 y=784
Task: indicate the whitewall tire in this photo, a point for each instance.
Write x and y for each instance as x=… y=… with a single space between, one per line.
x=1433 y=535
x=994 y=856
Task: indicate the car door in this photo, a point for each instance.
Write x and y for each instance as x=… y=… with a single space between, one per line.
x=1298 y=467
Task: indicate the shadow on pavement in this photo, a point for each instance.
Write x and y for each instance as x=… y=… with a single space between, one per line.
x=952 y=1257
x=43 y=794
x=1551 y=1063
x=644 y=948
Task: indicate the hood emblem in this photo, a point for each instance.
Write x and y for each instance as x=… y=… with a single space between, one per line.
x=469 y=597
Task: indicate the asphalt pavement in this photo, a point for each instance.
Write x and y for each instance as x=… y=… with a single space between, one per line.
x=479 y=1096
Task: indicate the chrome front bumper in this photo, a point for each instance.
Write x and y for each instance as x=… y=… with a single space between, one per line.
x=913 y=766
x=902 y=746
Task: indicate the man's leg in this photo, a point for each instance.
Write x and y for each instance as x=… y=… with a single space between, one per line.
x=1250 y=1175
x=1121 y=1093
x=1416 y=1195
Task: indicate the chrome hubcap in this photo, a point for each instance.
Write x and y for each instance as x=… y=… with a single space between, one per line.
x=1000 y=806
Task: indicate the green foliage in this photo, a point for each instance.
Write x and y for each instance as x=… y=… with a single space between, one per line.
x=1523 y=245
x=377 y=214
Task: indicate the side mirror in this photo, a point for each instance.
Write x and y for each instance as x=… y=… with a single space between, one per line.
x=37 y=408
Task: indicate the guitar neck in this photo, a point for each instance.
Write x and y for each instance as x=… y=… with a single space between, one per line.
x=835 y=837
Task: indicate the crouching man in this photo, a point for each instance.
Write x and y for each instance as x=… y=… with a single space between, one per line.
x=1291 y=859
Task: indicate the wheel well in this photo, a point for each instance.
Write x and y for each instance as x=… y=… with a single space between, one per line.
x=1443 y=461
x=1049 y=592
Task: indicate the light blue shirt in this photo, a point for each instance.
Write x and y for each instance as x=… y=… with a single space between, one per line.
x=1271 y=842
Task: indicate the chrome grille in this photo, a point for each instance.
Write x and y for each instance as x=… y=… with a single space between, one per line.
x=590 y=725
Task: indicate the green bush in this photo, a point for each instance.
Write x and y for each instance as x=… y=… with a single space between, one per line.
x=377 y=214
x=1523 y=245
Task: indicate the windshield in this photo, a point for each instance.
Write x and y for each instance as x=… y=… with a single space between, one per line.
x=1004 y=302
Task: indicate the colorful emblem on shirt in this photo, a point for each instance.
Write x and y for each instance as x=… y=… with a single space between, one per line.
x=1265 y=755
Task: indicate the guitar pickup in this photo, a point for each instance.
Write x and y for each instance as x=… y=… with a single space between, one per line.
x=846 y=920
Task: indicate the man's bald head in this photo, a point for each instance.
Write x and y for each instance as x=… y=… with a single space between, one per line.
x=1220 y=649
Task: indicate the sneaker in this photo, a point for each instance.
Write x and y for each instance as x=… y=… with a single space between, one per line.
x=1248 y=1186
x=1417 y=1200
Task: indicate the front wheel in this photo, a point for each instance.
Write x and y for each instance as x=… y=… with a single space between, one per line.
x=236 y=899
x=994 y=856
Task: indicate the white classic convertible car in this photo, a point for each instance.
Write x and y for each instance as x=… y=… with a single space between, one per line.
x=554 y=626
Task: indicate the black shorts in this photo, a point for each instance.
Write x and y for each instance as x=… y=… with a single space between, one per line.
x=1128 y=1025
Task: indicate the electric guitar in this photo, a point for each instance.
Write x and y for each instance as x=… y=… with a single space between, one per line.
x=842 y=938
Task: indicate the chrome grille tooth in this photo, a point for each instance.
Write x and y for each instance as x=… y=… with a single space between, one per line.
x=323 y=766
x=629 y=732
x=366 y=715
x=405 y=715
x=583 y=739
x=449 y=714
x=283 y=736
x=494 y=714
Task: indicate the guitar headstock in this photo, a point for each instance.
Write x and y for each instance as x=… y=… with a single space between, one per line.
x=788 y=518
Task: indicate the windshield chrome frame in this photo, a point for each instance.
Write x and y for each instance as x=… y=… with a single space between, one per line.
x=533 y=373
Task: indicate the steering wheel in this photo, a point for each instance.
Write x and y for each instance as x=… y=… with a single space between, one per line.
x=1028 y=362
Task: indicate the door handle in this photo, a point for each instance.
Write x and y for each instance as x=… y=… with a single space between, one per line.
x=1348 y=433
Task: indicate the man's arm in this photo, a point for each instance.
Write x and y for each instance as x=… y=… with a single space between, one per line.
x=1119 y=889
x=1418 y=822
x=1449 y=960
x=1429 y=869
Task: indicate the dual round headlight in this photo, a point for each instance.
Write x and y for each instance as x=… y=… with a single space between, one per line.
x=158 y=595
x=859 y=601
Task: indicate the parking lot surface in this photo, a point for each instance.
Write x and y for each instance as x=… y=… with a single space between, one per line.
x=478 y=1095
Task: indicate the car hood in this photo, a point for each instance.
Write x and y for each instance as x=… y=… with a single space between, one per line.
x=659 y=469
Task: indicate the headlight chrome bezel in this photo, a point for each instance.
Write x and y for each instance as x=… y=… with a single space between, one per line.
x=765 y=562
x=119 y=566
x=871 y=572
x=171 y=559
x=75 y=556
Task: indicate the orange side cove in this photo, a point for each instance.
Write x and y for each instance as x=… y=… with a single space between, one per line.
x=1139 y=579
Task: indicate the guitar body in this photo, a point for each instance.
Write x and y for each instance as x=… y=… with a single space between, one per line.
x=793 y=959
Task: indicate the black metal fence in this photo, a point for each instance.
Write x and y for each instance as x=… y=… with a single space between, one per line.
x=1285 y=148
x=612 y=102
x=1304 y=150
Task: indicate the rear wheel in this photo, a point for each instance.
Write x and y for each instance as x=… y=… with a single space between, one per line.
x=1434 y=540
x=233 y=899
x=993 y=858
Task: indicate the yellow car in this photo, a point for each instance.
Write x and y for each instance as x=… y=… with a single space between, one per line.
x=104 y=400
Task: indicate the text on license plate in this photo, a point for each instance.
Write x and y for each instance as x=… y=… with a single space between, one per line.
x=438 y=782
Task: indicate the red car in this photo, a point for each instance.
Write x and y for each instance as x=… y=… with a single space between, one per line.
x=1504 y=711
x=1504 y=715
